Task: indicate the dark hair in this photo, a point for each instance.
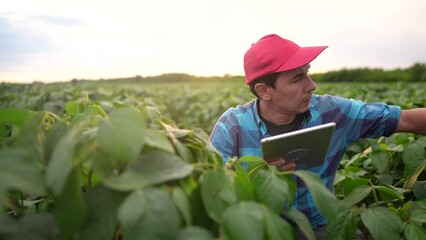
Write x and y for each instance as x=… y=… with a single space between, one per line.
x=268 y=80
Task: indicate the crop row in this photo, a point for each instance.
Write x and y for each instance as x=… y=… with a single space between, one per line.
x=97 y=160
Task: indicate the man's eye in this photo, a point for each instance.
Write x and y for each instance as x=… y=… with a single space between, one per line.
x=298 y=76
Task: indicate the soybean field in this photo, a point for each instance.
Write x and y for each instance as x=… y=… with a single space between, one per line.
x=131 y=160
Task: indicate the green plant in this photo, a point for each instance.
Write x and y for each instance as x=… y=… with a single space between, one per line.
x=132 y=174
x=127 y=161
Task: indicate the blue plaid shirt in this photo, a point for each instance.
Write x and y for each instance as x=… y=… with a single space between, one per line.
x=239 y=130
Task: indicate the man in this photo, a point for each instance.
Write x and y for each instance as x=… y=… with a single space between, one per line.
x=276 y=71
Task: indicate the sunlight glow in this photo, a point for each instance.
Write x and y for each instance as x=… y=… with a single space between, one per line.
x=48 y=40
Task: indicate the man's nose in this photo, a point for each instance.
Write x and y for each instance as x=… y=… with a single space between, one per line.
x=311 y=86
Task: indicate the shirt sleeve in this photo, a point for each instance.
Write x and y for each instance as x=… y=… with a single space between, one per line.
x=368 y=120
x=222 y=137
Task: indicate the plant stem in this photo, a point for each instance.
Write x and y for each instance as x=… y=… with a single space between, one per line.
x=376 y=199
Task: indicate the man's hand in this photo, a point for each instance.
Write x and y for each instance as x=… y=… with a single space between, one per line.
x=283 y=165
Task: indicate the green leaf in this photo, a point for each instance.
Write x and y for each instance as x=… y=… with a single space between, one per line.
x=217 y=192
x=243 y=185
x=180 y=148
x=272 y=190
x=419 y=189
x=70 y=210
x=2 y=200
x=97 y=109
x=18 y=170
x=159 y=220
x=386 y=179
x=419 y=215
x=16 y=117
x=413 y=168
x=102 y=207
x=198 y=211
x=413 y=231
x=183 y=151
x=157 y=140
x=53 y=137
x=39 y=226
x=389 y=194
x=396 y=148
x=382 y=223
x=61 y=163
x=182 y=203
x=277 y=228
x=339 y=178
x=354 y=171
x=401 y=138
x=122 y=135
x=200 y=134
x=325 y=200
x=345 y=224
x=405 y=209
x=421 y=203
x=194 y=233
x=73 y=108
x=30 y=135
x=357 y=195
x=131 y=210
x=53 y=106
x=3 y=131
x=102 y=164
x=352 y=184
x=413 y=156
x=150 y=169
x=379 y=160
x=421 y=141
x=301 y=221
x=244 y=220
x=153 y=113
x=413 y=151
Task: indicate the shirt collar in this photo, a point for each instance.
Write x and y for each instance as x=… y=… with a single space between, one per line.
x=260 y=123
x=262 y=126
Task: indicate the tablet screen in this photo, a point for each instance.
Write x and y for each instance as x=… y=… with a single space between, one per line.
x=307 y=147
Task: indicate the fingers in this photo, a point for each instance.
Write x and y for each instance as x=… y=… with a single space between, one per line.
x=290 y=166
x=283 y=165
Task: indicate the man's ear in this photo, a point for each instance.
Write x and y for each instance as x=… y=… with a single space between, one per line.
x=262 y=90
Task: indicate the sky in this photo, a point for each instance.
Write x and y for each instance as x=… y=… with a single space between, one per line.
x=60 y=40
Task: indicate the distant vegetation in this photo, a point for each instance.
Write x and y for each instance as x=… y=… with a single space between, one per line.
x=415 y=73
x=128 y=159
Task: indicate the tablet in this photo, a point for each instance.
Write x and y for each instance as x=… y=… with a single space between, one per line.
x=307 y=147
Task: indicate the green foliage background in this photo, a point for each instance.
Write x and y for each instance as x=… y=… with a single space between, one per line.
x=129 y=159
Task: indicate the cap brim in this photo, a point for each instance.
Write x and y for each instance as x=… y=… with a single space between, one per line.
x=301 y=57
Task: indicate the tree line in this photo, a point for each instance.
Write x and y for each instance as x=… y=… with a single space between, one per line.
x=415 y=73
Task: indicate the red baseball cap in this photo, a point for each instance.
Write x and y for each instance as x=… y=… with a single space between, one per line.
x=273 y=54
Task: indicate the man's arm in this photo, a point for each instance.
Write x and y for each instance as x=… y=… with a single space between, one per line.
x=413 y=120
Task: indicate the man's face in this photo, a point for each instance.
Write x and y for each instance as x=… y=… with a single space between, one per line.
x=293 y=91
